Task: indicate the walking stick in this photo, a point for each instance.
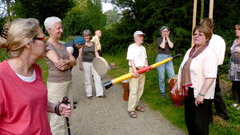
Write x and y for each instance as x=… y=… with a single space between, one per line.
x=65 y=101
x=140 y=71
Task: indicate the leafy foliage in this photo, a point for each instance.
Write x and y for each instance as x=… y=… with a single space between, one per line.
x=87 y=14
x=42 y=9
x=150 y=15
x=75 y=23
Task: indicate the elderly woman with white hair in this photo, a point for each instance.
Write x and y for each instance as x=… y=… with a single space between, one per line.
x=59 y=61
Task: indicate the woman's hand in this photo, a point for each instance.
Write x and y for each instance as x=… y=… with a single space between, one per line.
x=175 y=87
x=59 y=63
x=81 y=67
x=65 y=110
x=135 y=74
x=199 y=100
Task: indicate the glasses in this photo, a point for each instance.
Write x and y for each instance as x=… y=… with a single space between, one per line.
x=42 y=38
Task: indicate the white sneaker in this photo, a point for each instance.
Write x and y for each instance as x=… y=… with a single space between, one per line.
x=234 y=104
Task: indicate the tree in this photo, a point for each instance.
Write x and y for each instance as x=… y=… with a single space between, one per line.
x=75 y=23
x=41 y=10
x=112 y=16
x=94 y=11
x=7 y=8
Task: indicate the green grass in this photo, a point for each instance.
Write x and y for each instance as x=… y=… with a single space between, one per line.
x=152 y=97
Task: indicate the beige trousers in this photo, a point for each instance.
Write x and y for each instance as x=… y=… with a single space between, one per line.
x=56 y=92
x=136 y=86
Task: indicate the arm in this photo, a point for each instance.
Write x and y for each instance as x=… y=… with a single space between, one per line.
x=206 y=85
x=146 y=63
x=52 y=55
x=96 y=52
x=80 y=59
x=69 y=63
x=63 y=109
x=71 y=60
x=162 y=44
x=175 y=87
x=170 y=43
x=135 y=73
x=210 y=67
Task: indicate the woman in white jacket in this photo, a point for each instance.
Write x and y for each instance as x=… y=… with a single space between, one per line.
x=196 y=81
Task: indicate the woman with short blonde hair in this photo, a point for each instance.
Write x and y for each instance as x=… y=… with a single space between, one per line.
x=23 y=94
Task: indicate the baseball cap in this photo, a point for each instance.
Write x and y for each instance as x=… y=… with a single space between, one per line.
x=79 y=40
x=164 y=27
x=138 y=33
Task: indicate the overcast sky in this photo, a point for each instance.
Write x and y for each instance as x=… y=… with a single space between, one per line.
x=106 y=6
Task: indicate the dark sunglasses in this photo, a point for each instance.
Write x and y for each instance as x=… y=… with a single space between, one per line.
x=42 y=38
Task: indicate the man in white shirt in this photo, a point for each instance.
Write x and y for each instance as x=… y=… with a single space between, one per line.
x=219 y=46
x=137 y=57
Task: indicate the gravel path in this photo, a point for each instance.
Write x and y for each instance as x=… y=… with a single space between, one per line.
x=109 y=116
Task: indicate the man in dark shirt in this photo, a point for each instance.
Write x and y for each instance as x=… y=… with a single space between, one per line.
x=164 y=45
x=73 y=46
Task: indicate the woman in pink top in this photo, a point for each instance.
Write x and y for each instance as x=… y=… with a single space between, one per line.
x=23 y=95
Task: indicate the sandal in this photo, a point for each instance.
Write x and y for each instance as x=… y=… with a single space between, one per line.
x=103 y=96
x=139 y=109
x=90 y=97
x=132 y=114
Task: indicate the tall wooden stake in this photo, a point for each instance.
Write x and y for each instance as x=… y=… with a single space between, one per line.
x=194 y=17
x=211 y=9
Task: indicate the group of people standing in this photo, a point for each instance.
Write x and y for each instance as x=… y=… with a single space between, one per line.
x=198 y=78
x=25 y=100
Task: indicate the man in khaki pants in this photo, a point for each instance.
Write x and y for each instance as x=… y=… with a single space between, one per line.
x=137 y=57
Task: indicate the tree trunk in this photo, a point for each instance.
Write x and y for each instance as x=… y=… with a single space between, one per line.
x=8 y=10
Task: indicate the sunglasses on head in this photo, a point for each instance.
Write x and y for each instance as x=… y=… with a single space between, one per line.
x=41 y=38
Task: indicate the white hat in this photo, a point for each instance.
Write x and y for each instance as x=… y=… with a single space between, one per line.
x=138 y=33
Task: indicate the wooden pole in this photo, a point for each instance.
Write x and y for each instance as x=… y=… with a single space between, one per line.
x=202 y=9
x=194 y=17
x=211 y=9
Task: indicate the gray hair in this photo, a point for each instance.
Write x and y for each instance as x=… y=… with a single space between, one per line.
x=50 y=21
x=87 y=32
x=164 y=27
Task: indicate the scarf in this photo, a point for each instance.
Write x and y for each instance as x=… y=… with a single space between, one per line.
x=186 y=75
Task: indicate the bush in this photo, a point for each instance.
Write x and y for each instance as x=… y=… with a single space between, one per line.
x=75 y=23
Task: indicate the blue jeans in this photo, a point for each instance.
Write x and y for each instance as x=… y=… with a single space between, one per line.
x=161 y=70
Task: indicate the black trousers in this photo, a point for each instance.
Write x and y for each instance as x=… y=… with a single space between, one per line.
x=236 y=91
x=197 y=117
x=219 y=104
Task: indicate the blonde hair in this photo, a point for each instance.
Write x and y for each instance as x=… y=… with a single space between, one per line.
x=21 y=32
